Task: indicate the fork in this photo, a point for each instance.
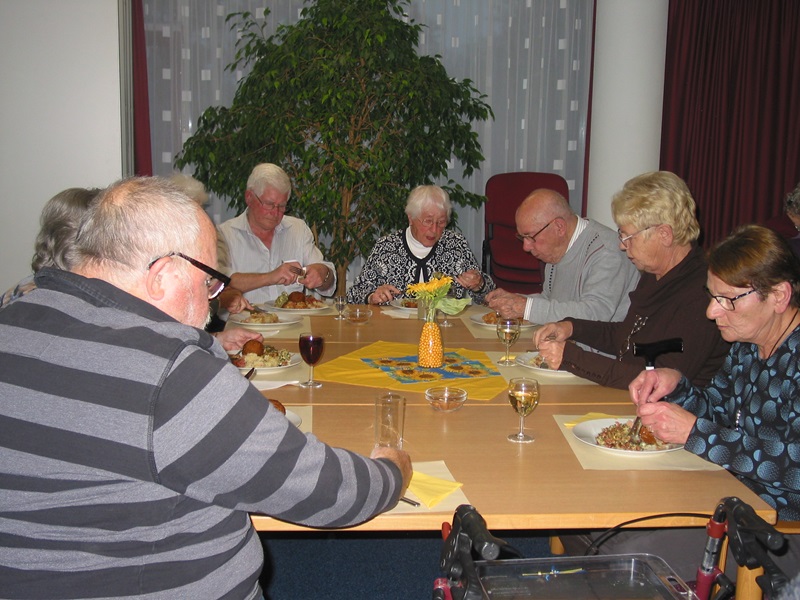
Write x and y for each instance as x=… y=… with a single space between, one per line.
x=297 y=271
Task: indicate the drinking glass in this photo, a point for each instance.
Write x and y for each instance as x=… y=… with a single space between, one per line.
x=508 y=332
x=523 y=394
x=444 y=322
x=340 y=302
x=311 y=347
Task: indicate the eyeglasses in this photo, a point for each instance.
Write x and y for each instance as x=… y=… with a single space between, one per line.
x=724 y=301
x=270 y=205
x=215 y=283
x=428 y=223
x=638 y=323
x=532 y=238
x=624 y=239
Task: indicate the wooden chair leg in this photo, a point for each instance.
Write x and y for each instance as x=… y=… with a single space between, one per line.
x=556 y=547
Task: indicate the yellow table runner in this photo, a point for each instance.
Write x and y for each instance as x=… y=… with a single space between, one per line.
x=483 y=382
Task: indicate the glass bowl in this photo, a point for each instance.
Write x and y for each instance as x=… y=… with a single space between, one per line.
x=357 y=314
x=446 y=399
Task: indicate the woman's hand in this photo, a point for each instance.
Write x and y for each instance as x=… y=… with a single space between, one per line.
x=652 y=385
x=471 y=280
x=552 y=332
x=669 y=422
x=233 y=301
x=384 y=294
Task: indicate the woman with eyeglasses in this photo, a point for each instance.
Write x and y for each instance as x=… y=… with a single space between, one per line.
x=746 y=418
x=414 y=254
x=658 y=230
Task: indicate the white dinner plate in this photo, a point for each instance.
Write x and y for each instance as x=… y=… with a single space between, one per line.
x=284 y=320
x=398 y=304
x=270 y=306
x=294 y=418
x=587 y=432
x=293 y=361
x=478 y=320
x=526 y=360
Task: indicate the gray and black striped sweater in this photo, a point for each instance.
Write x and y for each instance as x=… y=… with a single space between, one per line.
x=131 y=452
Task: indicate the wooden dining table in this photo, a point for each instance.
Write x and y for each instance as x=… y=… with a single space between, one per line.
x=540 y=486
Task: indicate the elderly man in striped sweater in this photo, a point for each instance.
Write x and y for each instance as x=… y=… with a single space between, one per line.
x=131 y=450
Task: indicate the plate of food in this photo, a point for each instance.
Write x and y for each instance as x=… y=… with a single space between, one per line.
x=614 y=435
x=263 y=358
x=489 y=319
x=297 y=303
x=263 y=320
x=292 y=417
x=536 y=362
x=407 y=304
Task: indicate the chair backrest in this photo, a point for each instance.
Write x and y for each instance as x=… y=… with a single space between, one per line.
x=504 y=259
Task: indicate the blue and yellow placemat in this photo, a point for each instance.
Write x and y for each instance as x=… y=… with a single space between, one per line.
x=394 y=366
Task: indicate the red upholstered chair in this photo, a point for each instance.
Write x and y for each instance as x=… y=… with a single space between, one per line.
x=510 y=266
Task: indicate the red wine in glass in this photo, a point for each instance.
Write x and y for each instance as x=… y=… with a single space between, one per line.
x=311 y=347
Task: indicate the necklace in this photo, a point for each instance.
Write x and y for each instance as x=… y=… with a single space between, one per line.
x=774 y=346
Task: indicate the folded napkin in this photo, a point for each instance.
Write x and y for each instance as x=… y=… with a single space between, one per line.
x=271 y=385
x=591 y=417
x=431 y=490
x=396 y=313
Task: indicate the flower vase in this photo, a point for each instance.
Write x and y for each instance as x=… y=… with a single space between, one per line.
x=430 y=353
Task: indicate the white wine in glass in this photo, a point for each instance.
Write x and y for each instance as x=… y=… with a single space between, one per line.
x=508 y=332
x=523 y=394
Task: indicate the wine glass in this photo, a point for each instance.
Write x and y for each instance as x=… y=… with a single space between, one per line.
x=311 y=347
x=523 y=394
x=340 y=302
x=445 y=322
x=508 y=332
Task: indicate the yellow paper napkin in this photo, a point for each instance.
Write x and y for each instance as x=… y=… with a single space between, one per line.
x=431 y=490
x=590 y=417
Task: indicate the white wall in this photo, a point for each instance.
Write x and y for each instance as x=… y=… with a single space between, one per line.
x=59 y=112
x=627 y=98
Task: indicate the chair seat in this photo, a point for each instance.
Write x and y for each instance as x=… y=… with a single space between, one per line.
x=504 y=259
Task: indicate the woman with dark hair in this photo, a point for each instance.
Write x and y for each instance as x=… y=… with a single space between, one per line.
x=746 y=418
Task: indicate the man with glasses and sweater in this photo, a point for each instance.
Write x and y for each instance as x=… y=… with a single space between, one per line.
x=585 y=274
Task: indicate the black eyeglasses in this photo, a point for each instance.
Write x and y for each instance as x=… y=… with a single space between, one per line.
x=215 y=283
x=638 y=323
x=724 y=301
x=532 y=238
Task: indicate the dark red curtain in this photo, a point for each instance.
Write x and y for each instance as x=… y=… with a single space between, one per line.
x=731 y=122
x=143 y=160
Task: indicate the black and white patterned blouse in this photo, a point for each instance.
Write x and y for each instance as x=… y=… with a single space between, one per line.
x=391 y=261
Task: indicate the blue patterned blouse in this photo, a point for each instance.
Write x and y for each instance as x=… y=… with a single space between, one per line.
x=748 y=421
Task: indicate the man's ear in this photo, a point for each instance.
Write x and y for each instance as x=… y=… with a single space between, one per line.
x=156 y=276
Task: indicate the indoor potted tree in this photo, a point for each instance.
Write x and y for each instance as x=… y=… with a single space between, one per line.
x=343 y=102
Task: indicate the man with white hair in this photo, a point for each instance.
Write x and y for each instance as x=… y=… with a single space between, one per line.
x=260 y=247
x=132 y=450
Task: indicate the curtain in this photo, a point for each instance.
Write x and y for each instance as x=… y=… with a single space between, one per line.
x=142 y=157
x=731 y=124
x=531 y=58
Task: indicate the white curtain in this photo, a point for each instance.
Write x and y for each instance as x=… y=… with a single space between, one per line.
x=531 y=58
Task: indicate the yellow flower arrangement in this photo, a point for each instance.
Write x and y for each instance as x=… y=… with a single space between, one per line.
x=433 y=294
